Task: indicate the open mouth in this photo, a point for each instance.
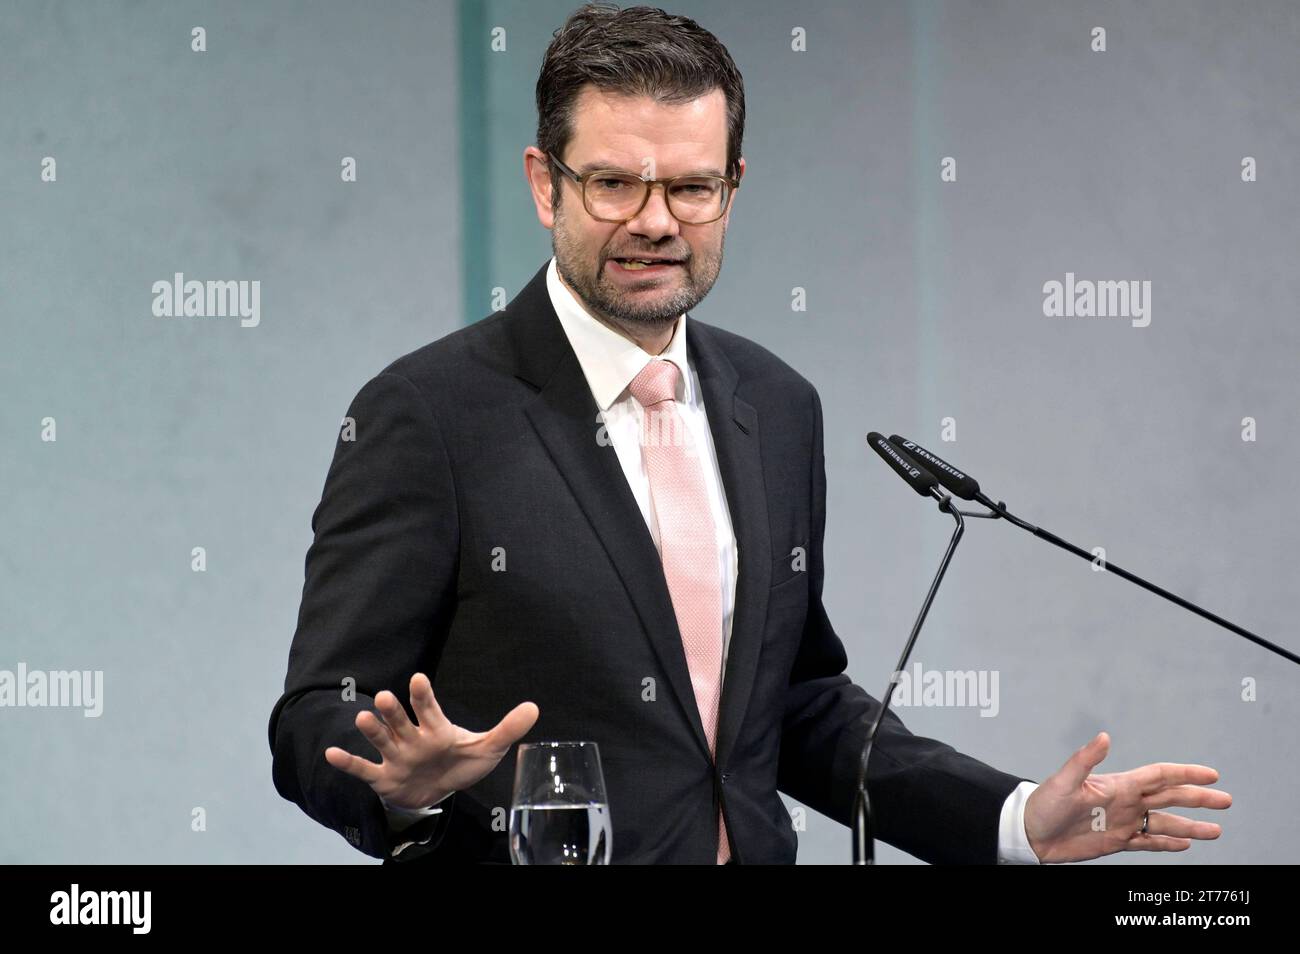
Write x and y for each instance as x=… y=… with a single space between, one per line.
x=641 y=264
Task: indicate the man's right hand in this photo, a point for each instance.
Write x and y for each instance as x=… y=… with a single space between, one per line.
x=421 y=764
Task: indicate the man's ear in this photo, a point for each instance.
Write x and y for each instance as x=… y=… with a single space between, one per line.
x=537 y=170
x=731 y=204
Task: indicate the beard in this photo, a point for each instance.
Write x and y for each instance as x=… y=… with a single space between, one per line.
x=634 y=311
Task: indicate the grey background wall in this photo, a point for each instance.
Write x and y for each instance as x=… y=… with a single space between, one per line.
x=924 y=302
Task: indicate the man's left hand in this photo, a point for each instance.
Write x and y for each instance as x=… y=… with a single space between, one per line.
x=1075 y=815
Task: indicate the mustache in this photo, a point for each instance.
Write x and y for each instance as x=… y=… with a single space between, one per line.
x=669 y=256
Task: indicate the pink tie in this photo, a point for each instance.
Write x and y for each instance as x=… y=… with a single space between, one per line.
x=686 y=542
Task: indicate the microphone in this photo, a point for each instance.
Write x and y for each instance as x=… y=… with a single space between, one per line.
x=963 y=485
x=967 y=488
x=917 y=477
x=911 y=462
x=925 y=484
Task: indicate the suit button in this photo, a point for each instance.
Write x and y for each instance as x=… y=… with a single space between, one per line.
x=725 y=776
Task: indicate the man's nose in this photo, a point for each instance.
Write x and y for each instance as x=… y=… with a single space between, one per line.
x=654 y=221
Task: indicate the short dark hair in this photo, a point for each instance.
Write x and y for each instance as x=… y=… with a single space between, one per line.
x=639 y=51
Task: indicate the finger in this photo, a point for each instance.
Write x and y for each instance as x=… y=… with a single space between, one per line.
x=377 y=733
x=1079 y=765
x=514 y=726
x=1151 y=842
x=427 y=711
x=1187 y=796
x=345 y=761
x=1158 y=775
x=1163 y=823
x=394 y=713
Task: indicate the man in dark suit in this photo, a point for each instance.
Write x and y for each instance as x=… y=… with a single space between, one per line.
x=498 y=516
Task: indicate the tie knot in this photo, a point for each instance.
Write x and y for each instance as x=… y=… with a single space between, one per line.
x=655 y=383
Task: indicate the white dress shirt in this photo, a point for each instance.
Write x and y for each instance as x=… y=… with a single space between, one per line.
x=610 y=362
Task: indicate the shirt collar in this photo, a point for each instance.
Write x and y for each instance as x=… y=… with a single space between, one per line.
x=609 y=360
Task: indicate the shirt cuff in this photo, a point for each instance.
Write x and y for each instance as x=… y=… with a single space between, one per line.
x=400 y=819
x=1013 y=843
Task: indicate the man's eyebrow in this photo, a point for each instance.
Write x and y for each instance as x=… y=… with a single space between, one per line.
x=608 y=165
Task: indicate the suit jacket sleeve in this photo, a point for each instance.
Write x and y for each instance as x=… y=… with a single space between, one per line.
x=926 y=798
x=380 y=579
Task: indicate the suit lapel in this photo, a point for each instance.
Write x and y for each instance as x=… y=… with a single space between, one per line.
x=733 y=423
x=563 y=412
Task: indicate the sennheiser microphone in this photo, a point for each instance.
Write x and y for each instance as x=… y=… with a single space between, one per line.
x=963 y=485
x=917 y=477
x=906 y=457
x=925 y=484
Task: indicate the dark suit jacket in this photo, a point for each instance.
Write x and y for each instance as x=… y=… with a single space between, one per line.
x=487 y=439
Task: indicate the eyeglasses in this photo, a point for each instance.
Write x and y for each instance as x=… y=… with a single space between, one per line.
x=610 y=195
